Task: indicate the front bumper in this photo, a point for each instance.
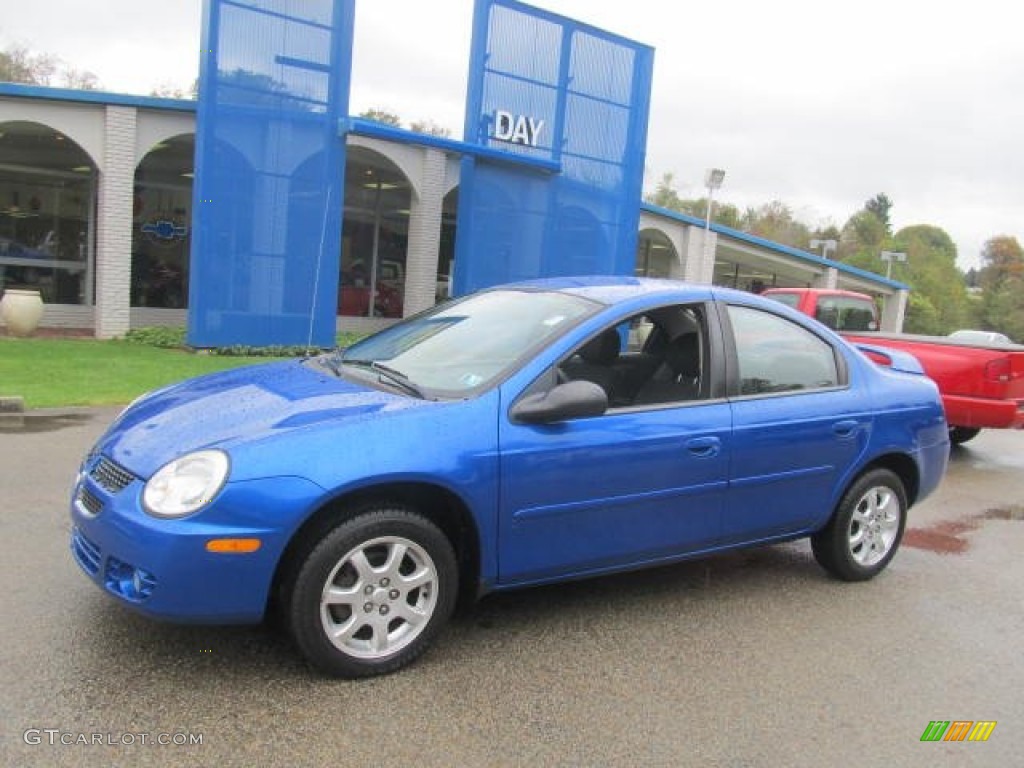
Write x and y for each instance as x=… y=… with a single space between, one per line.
x=162 y=568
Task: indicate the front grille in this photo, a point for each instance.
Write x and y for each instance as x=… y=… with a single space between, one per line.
x=86 y=553
x=111 y=476
x=89 y=502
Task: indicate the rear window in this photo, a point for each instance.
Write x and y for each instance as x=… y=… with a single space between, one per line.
x=846 y=313
x=789 y=299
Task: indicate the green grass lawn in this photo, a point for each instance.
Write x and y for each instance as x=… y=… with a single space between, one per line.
x=58 y=372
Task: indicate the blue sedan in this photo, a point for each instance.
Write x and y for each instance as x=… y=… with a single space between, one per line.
x=525 y=434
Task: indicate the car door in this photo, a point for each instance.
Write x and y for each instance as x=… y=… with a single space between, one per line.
x=645 y=481
x=799 y=425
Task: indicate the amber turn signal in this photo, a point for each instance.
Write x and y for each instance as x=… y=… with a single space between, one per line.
x=233 y=546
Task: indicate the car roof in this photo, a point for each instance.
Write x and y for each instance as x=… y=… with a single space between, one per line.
x=612 y=289
x=820 y=292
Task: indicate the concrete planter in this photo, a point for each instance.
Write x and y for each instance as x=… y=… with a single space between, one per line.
x=21 y=310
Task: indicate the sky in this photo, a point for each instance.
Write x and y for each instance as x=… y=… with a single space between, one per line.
x=821 y=105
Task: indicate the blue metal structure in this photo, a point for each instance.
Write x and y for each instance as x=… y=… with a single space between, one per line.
x=269 y=186
x=544 y=87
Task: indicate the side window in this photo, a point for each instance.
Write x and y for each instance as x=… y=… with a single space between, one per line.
x=777 y=355
x=651 y=359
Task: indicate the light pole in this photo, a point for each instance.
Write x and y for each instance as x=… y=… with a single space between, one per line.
x=827 y=246
x=889 y=257
x=712 y=180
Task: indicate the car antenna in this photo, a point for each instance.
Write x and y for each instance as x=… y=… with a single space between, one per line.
x=316 y=273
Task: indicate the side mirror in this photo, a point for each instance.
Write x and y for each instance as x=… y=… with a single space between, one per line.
x=572 y=400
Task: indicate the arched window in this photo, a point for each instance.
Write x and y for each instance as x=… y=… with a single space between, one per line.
x=47 y=213
x=374 y=236
x=162 y=224
x=446 y=251
x=655 y=254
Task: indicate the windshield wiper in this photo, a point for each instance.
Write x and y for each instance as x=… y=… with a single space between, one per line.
x=331 y=362
x=396 y=377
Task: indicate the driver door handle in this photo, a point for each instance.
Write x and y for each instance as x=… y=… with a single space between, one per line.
x=704 y=447
x=845 y=428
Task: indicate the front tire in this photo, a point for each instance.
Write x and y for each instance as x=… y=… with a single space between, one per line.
x=371 y=596
x=866 y=529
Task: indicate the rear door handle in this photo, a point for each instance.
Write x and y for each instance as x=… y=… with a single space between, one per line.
x=704 y=447
x=846 y=428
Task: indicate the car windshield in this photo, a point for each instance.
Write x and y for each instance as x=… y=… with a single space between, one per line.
x=466 y=345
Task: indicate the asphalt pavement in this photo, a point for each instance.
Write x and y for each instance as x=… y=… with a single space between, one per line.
x=749 y=659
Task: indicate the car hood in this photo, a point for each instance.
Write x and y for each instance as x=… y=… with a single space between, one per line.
x=235 y=407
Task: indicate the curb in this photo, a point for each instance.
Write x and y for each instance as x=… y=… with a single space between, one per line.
x=12 y=405
x=17 y=421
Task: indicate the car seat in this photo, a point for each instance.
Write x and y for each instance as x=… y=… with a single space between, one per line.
x=595 y=361
x=678 y=376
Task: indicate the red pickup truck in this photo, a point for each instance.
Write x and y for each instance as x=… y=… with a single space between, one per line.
x=982 y=385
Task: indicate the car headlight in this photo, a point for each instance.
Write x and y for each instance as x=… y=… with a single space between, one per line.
x=186 y=484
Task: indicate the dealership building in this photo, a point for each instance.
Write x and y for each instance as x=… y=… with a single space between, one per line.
x=98 y=210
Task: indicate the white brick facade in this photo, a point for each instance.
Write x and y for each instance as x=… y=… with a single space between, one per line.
x=425 y=234
x=114 y=224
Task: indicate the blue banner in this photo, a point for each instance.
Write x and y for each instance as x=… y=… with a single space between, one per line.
x=551 y=88
x=269 y=178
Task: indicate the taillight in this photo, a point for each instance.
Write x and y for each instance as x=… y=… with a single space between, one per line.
x=998 y=369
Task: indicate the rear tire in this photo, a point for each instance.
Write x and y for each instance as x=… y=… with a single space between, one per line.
x=866 y=529
x=960 y=435
x=372 y=594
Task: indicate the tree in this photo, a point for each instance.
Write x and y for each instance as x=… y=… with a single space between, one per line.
x=166 y=90
x=382 y=116
x=1002 y=309
x=863 y=235
x=665 y=194
x=931 y=271
x=726 y=214
x=879 y=206
x=830 y=232
x=1002 y=282
x=19 y=65
x=1002 y=259
x=775 y=221
x=79 y=79
x=938 y=296
x=430 y=128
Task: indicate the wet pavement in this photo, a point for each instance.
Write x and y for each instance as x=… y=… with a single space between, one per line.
x=749 y=659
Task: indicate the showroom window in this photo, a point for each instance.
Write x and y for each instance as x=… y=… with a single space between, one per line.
x=162 y=224
x=746 y=277
x=47 y=213
x=654 y=254
x=374 y=236
x=446 y=249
